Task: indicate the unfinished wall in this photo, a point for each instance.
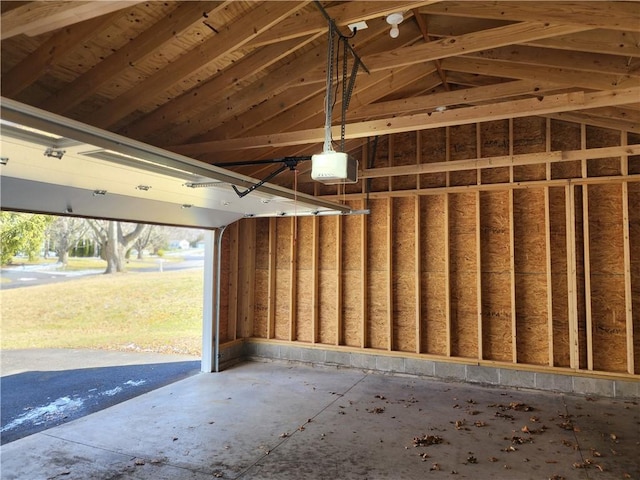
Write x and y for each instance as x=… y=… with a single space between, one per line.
x=520 y=256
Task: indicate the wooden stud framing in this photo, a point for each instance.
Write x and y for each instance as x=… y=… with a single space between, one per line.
x=447 y=275
x=628 y=293
x=232 y=312
x=418 y=273
x=365 y=278
x=389 y=294
x=547 y=227
x=479 y=275
x=587 y=252
x=271 y=312
x=293 y=283
x=512 y=257
x=572 y=287
x=247 y=267
x=339 y=317
x=315 y=301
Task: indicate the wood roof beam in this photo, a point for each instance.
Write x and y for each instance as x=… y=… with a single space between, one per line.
x=50 y=52
x=499 y=111
x=448 y=99
x=596 y=14
x=560 y=76
x=238 y=34
x=183 y=17
x=36 y=18
x=190 y=105
x=472 y=42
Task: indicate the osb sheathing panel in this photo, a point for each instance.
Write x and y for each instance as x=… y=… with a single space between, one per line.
x=283 y=278
x=559 y=287
x=404 y=154
x=433 y=148
x=404 y=273
x=494 y=138
x=328 y=281
x=565 y=136
x=463 y=274
x=599 y=138
x=304 y=275
x=530 y=276
x=634 y=241
x=395 y=311
x=530 y=136
x=261 y=285
x=433 y=264
x=607 y=278
x=496 y=275
x=463 y=144
x=352 y=253
x=377 y=275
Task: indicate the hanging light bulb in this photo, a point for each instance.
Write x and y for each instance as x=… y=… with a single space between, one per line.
x=394 y=20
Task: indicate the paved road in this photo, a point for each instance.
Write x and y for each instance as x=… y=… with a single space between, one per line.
x=42 y=388
x=30 y=275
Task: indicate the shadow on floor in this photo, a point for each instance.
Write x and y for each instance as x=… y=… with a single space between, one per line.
x=34 y=401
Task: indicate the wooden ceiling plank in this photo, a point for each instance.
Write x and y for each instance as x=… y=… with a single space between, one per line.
x=181 y=110
x=448 y=99
x=483 y=113
x=560 y=76
x=472 y=42
x=184 y=16
x=36 y=18
x=596 y=14
x=313 y=21
x=229 y=39
x=48 y=53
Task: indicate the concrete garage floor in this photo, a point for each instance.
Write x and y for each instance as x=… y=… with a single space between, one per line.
x=281 y=421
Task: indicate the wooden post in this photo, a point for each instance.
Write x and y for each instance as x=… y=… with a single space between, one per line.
x=315 y=301
x=587 y=252
x=628 y=298
x=512 y=258
x=447 y=275
x=363 y=270
x=271 y=309
x=232 y=315
x=547 y=228
x=293 y=266
x=479 y=277
x=339 y=318
x=390 y=344
x=572 y=276
x=418 y=276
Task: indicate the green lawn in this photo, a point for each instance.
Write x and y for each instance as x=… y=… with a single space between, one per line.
x=160 y=312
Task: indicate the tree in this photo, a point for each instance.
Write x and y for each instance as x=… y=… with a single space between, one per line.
x=66 y=232
x=115 y=243
x=22 y=232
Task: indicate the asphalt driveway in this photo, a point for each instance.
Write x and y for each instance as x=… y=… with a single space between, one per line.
x=42 y=388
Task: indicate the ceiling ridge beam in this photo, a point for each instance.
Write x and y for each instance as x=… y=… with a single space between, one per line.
x=499 y=111
x=183 y=17
x=595 y=14
x=228 y=40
